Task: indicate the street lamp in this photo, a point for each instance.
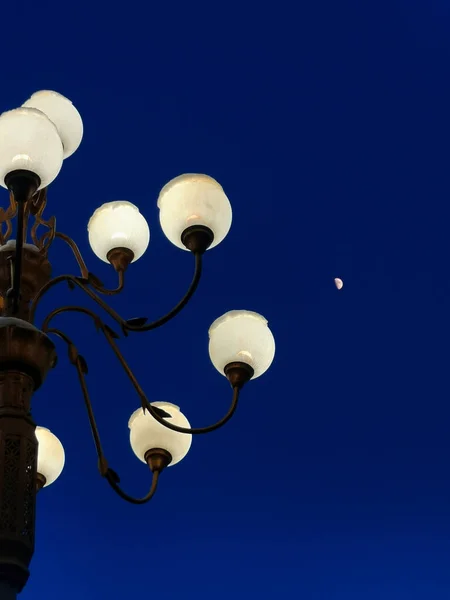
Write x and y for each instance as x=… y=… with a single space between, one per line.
x=195 y=215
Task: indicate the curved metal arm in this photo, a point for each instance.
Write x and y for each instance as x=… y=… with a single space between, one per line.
x=178 y=307
x=74 y=281
x=85 y=273
x=80 y=364
x=76 y=252
x=111 y=312
x=197 y=430
x=111 y=476
x=112 y=482
x=109 y=335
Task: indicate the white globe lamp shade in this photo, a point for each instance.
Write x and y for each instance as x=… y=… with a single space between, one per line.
x=146 y=433
x=63 y=114
x=241 y=336
x=194 y=199
x=118 y=225
x=29 y=141
x=51 y=456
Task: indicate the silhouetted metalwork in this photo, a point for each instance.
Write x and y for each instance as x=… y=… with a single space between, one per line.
x=27 y=354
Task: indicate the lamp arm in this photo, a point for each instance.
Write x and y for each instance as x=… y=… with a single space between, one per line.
x=72 y=281
x=85 y=273
x=37 y=206
x=179 y=306
x=111 y=476
x=110 y=336
x=147 y=406
x=76 y=252
x=125 y=325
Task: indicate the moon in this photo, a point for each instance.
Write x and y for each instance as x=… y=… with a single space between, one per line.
x=338 y=283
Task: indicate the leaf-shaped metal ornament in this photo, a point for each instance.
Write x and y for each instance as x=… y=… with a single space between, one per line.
x=97 y=322
x=113 y=475
x=111 y=332
x=73 y=354
x=94 y=280
x=83 y=280
x=137 y=321
x=161 y=413
x=83 y=364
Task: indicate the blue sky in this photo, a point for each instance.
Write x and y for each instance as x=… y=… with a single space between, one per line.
x=327 y=125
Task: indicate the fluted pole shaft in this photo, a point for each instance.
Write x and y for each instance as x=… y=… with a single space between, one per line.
x=18 y=460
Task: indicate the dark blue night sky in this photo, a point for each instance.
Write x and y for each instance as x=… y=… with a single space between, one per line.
x=327 y=123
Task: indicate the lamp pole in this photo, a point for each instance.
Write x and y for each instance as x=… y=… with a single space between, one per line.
x=195 y=215
x=7 y=592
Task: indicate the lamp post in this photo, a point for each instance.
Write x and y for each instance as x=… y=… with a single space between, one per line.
x=195 y=215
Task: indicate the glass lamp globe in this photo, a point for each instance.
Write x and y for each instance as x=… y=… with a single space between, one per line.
x=146 y=433
x=194 y=199
x=63 y=114
x=118 y=225
x=51 y=456
x=30 y=141
x=241 y=336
